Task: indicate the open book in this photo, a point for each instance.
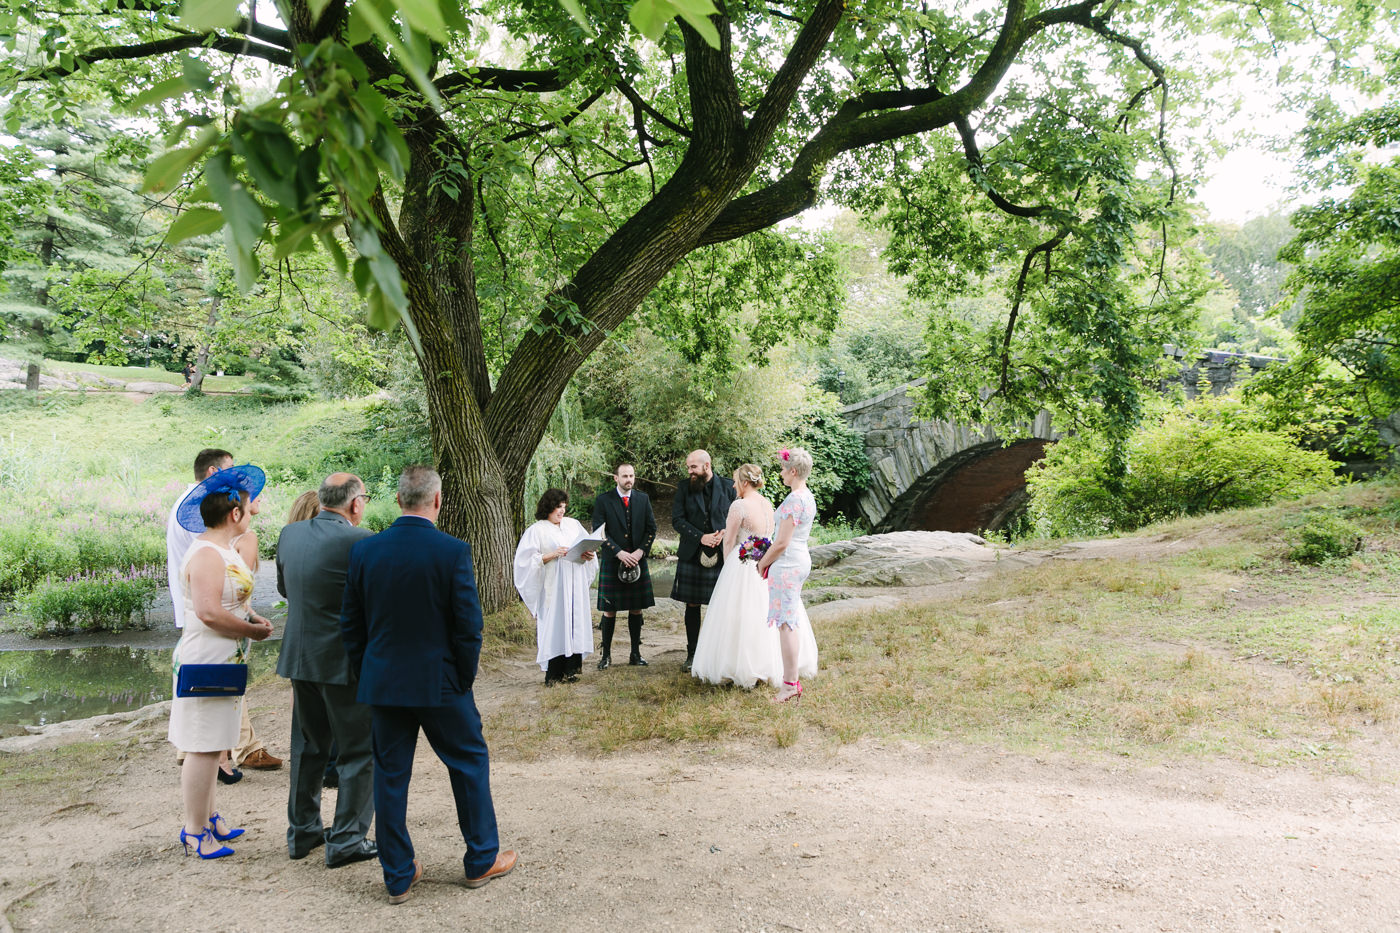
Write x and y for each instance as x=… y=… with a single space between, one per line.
x=589 y=542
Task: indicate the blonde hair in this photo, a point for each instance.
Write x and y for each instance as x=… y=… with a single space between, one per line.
x=750 y=473
x=797 y=460
x=306 y=506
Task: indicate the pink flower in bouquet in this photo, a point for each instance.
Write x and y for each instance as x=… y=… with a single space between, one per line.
x=754 y=548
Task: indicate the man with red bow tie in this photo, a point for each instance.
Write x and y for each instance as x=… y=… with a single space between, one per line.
x=624 y=581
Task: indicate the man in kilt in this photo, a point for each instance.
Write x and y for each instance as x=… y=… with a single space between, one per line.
x=698 y=514
x=629 y=528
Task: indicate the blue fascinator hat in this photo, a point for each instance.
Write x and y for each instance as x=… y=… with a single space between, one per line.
x=246 y=478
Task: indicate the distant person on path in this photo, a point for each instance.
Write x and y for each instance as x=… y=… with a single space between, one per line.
x=786 y=567
x=698 y=514
x=248 y=749
x=312 y=559
x=624 y=513
x=217 y=587
x=555 y=588
x=412 y=627
x=188 y=372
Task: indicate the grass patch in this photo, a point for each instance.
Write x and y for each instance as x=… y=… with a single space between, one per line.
x=1224 y=648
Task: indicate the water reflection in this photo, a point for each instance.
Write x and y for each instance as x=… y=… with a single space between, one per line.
x=40 y=687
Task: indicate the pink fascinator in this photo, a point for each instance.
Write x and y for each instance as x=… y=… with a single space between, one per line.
x=784 y=454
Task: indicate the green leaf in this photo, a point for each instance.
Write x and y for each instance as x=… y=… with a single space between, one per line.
x=170 y=87
x=197 y=221
x=649 y=17
x=575 y=10
x=165 y=171
x=336 y=251
x=424 y=16
x=416 y=70
x=205 y=15
x=244 y=262
x=294 y=238
x=697 y=13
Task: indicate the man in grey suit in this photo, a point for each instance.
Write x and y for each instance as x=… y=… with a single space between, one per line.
x=312 y=559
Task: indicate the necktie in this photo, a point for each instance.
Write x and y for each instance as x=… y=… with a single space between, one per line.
x=626 y=501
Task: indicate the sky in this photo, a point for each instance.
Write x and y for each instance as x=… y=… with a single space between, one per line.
x=1246 y=183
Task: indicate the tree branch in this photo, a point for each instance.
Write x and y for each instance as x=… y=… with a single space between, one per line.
x=503 y=79
x=228 y=44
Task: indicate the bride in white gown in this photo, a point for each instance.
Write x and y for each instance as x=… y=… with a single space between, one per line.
x=736 y=644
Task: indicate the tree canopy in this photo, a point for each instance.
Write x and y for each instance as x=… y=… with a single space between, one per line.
x=515 y=177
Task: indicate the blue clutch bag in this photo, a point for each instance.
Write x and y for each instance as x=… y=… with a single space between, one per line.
x=211 y=680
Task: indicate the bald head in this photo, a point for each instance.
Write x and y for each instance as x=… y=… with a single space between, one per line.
x=697 y=468
x=344 y=494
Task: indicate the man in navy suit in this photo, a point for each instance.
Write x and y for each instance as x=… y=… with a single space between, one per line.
x=411 y=622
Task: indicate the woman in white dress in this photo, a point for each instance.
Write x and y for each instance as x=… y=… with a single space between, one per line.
x=219 y=622
x=785 y=567
x=736 y=644
x=555 y=588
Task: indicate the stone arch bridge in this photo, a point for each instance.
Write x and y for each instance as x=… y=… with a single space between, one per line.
x=940 y=476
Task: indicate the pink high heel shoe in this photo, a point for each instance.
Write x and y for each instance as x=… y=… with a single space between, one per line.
x=791 y=690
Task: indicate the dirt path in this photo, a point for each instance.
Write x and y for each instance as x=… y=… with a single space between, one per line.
x=734 y=837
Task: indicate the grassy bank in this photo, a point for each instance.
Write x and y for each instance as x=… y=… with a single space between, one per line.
x=1214 y=645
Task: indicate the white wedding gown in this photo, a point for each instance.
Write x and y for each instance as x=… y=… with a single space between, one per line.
x=736 y=644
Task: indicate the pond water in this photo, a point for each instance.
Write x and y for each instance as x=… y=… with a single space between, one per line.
x=40 y=687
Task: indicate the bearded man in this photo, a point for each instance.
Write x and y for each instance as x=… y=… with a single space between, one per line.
x=698 y=515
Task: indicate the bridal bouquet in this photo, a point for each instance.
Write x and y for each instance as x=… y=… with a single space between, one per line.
x=754 y=548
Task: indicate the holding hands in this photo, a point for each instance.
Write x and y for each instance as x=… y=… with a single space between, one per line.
x=262 y=626
x=712 y=539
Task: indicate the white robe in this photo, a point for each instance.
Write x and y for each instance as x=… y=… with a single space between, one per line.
x=556 y=593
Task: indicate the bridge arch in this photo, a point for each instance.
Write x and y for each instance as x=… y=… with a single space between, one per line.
x=938 y=475
x=941 y=476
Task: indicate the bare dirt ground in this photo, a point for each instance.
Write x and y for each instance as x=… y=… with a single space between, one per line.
x=735 y=837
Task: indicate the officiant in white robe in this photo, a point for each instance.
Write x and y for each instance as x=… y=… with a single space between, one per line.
x=555 y=588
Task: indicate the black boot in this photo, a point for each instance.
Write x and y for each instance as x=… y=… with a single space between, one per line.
x=692 y=634
x=608 y=623
x=634 y=628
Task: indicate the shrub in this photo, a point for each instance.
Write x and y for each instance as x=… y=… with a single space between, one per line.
x=106 y=601
x=1325 y=537
x=1186 y=463
x=840 y=468
x=61 y=546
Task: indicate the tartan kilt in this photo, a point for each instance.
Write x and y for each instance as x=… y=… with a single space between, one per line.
x=616 y=596
x=695 y=583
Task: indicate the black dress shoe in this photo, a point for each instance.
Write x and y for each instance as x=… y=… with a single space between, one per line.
x=689 y=662
x=363 y=851
x=636 y=660
x=604 y=663
x=227 y=778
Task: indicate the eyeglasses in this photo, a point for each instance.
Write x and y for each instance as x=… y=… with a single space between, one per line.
x=365 y=496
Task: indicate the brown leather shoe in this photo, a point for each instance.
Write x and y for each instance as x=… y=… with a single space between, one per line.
x=505 y=862
x=417 y=873
x=260 y=760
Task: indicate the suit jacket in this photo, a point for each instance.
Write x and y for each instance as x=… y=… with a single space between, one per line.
x=693 y=515
x=411 y=618
x=312 y=559
x=609 y=512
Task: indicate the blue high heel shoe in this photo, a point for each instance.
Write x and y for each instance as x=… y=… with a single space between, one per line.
x=214 y=819
x=197 y=839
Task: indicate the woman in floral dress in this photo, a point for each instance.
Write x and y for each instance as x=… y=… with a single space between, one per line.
x=219 y=622
x=786 y=566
